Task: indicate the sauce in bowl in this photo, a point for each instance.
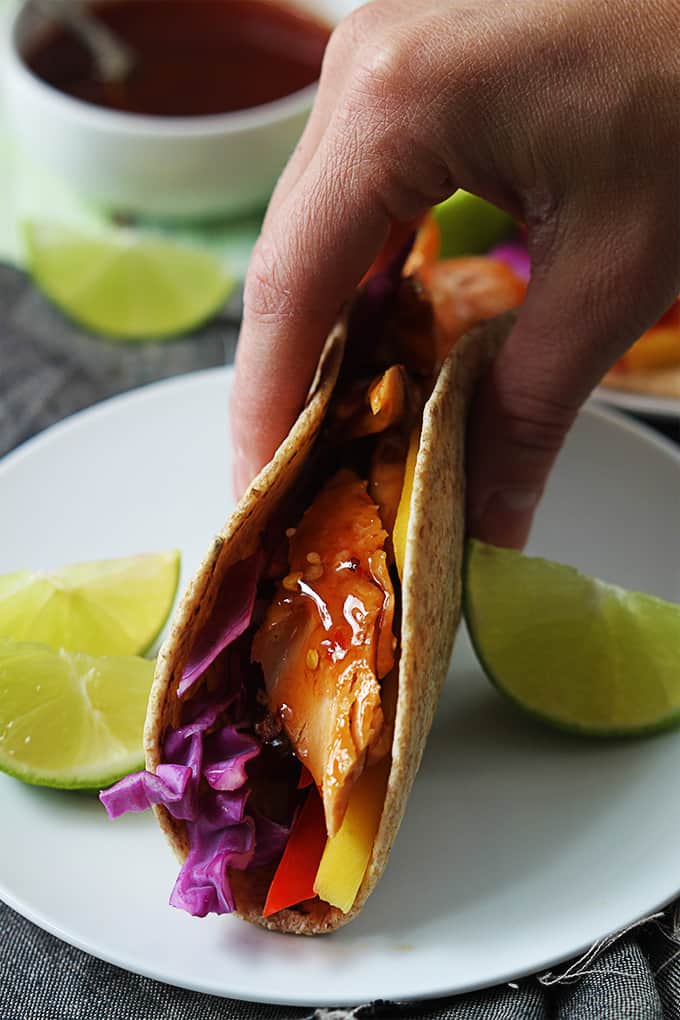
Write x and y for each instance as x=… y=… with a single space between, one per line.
x=195 y=57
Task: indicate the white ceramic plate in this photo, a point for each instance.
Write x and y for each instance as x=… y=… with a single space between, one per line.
x=520 y=845
x=638 y=403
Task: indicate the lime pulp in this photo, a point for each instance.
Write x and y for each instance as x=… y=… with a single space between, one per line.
x=574 y=651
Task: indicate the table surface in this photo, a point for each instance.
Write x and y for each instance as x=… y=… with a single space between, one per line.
x=48 y=369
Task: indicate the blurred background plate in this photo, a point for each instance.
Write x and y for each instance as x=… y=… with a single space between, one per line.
x=520 y=845
x=638 y=403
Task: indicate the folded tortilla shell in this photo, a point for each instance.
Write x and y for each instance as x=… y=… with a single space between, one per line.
x=431 y=600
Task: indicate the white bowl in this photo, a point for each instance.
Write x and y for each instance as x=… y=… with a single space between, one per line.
x=179 y=167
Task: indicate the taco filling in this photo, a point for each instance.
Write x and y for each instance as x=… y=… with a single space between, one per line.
x=327 y=641
x=277 y=755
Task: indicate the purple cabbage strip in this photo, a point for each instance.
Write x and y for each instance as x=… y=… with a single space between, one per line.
x=270 y=839
x=175 y=784
x=202 y=886
x=203 y=710
x=177 y=742
x=203 y=778
x=223 y=808
x=184 y=747
x=515 y=255
x=141 y=790
x=229 y=618
x=250 y=842
x=225 y=755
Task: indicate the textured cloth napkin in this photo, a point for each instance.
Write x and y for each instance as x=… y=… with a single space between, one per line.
x=48 y=369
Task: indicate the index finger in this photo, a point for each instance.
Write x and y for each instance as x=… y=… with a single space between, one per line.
x=312 y=253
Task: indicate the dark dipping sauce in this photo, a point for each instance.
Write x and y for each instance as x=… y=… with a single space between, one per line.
x=195 y=57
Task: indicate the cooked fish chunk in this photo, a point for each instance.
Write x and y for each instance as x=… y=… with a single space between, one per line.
x=327 y=640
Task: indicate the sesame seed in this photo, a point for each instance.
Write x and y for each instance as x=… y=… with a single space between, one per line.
x=312 y=658
x=290 y=581
x=314 y=572
x=290 y=532
x=313 y=557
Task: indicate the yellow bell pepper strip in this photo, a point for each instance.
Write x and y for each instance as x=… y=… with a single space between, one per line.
x=347 y=854
x=401 y=523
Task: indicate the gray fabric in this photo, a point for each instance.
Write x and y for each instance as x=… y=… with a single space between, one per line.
x=48 y=369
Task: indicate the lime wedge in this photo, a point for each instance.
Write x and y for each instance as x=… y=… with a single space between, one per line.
x=108 y=607
x=123 y=285
x=469 y=225
x=71 y=721
x=575 y=651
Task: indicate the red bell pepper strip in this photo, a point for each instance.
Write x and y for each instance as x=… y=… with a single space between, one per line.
x=293 y=880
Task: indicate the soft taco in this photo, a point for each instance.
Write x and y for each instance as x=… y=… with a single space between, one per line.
x=293 y=697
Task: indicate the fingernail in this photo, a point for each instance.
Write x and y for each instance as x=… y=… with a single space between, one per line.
x=506 y=517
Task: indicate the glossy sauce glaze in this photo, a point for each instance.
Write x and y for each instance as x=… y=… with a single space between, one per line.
x=327 y=640
x=195 y=57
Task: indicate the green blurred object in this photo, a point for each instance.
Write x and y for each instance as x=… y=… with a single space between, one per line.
x=125 y=285
x=470 y=225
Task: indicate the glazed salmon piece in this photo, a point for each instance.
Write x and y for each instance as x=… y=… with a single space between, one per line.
x=327 y=640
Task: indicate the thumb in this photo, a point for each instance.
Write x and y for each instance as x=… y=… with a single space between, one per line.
x=587 y=302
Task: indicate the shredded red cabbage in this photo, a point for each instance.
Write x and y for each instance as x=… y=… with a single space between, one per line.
x=229 y=619
x=141 y=790
x=202 y=886
x=515 y=255
x=270 y=839
x=202 y=779
x=224 y=837
x=225 y=755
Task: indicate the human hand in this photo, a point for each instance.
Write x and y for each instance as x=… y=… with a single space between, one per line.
x=562 y=112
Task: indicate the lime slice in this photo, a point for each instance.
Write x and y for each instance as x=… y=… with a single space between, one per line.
x=575 y=651
x=469 y=225
x=70 y=720
x=123 y=285
x=108 y=607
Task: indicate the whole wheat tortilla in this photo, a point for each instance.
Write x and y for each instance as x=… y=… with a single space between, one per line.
x=431 y=601
x=663 y=382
